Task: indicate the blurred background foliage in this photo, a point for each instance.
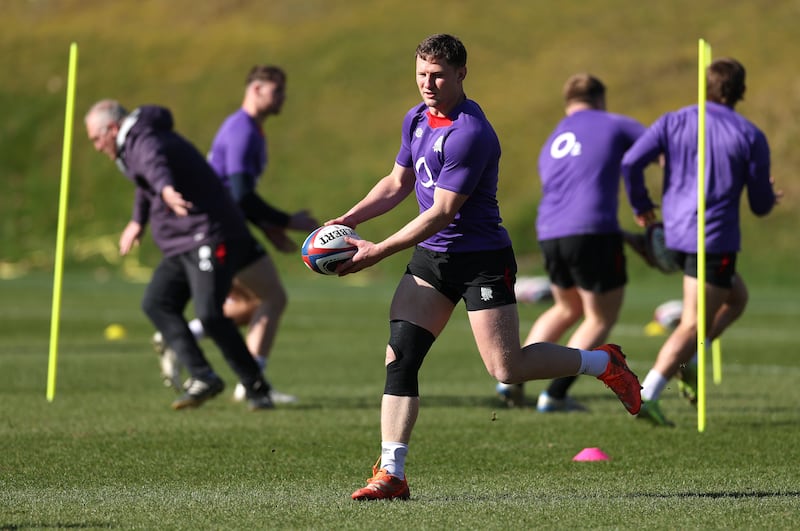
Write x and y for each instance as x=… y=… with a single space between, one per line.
x=350 y=66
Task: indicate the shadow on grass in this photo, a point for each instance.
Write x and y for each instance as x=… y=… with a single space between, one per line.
x=487 y=401
x=718 y=495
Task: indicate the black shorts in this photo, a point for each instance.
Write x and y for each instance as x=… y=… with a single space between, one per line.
x=720 y=267
x=594 y=262
x=244 y=252
x=483 y=279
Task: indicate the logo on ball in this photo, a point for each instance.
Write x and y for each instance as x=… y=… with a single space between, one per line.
x=325 y=248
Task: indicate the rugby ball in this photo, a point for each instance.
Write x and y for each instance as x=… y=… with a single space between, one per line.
x=325 y=248
x=532 y=289
x=668 y=314
x=653 y=248
x=661 y=257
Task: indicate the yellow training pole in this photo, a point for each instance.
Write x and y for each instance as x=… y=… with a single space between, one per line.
x=716 y=357
x=703 y=60
x=62 y=222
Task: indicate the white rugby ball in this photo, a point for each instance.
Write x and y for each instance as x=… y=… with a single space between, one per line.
x=668 y=314
x=325 y=248
x=532 y=289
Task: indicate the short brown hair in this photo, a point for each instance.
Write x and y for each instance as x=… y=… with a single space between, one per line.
x=585 y=88
x=725 y=81
x=266 y=73
x=443 y=47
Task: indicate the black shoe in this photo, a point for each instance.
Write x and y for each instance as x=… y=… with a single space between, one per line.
x=258 y=397
x=198 y=391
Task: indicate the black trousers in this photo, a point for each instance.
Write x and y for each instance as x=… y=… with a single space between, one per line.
x=203 y=275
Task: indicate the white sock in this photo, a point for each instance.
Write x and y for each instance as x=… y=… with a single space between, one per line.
x=652 y=386
x=593 y=362
x=393 y=458
x=197 y=329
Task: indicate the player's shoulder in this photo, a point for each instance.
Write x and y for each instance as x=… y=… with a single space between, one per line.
x=239 y=120
x=623 y=119
x=469 y=119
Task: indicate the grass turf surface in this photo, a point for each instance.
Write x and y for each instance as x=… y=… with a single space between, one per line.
x=109 y=453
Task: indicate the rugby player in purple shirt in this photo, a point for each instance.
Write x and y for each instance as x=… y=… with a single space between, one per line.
x=200 y=232
x=449 y=155
x=579 y=168
x=737 y=160
x=238 y=154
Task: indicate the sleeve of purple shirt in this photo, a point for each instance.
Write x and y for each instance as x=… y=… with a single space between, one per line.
x=404 y=154
x=760 y=194
x=643 y=152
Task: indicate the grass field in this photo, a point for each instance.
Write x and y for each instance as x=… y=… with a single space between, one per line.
x=108 y=453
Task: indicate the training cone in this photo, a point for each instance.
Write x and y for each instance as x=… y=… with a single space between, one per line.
x=654 y=328
x=591 y=454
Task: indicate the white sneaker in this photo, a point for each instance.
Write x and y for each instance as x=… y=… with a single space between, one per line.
x=548 y=404
x=282 y=398
x=158 y=342
x=170 y=369
x=240 y=394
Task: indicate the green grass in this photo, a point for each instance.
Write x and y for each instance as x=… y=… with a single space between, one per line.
x=109 y=453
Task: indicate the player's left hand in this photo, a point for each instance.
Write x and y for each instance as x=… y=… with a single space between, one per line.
x=368 y=254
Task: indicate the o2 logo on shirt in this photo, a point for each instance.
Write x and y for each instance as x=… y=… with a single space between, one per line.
x=424 y=165
x=565 y=144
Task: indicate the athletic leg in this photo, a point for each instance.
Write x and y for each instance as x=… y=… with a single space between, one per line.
x=566 y=310
x=261 y=279
x=164 y=302
x=240 y=304
x=550 y=326
x=731 y=309
x=209 y=289
x=496 y=332
x=416 y=302
x=681 y=344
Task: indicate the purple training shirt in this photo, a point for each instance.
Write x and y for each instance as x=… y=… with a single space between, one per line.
x=579 y=167
x=460 y=153
x=737 y=157
x=238 y=147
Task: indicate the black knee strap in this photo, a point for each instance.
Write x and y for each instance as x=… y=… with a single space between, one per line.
x=410 y=344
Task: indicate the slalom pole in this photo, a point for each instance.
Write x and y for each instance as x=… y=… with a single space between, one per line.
x=703 y=60
x=716 y=359
x=62 y=222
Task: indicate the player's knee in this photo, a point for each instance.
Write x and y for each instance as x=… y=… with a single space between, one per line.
x=409 y=343
x=503 y=374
